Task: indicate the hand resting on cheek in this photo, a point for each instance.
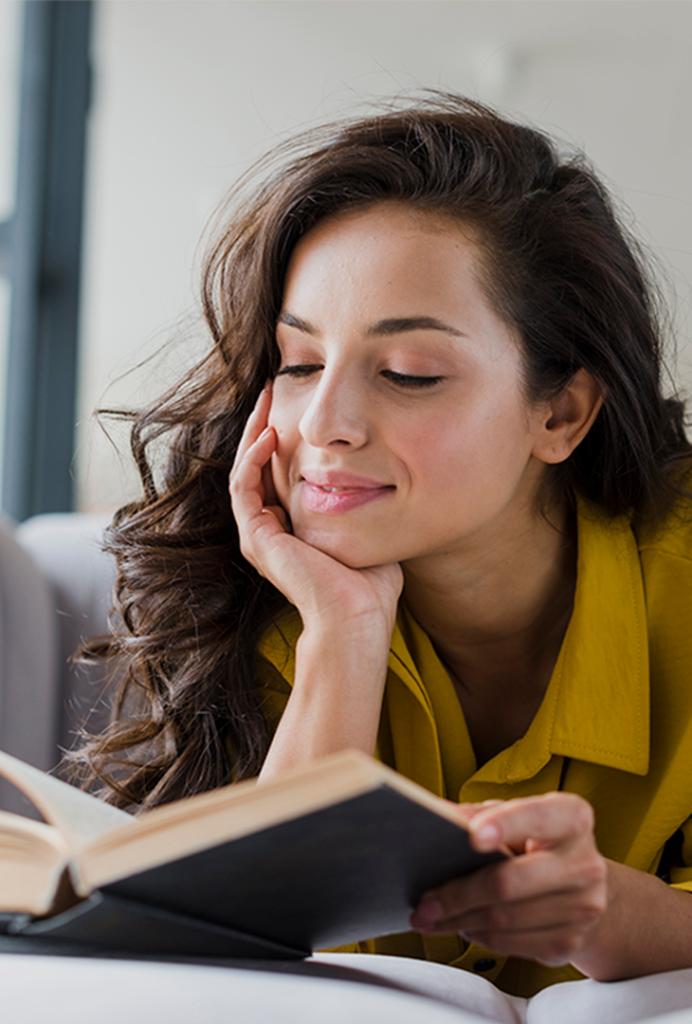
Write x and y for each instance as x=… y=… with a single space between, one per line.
x=319 y=586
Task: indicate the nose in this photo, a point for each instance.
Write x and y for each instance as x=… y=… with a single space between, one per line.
x=335 y=415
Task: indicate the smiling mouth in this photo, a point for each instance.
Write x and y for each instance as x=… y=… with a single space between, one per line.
x=328 y=500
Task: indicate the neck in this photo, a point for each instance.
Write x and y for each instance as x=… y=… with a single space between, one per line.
x=497 y=614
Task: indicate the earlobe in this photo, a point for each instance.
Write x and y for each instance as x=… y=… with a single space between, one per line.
x=568 y=418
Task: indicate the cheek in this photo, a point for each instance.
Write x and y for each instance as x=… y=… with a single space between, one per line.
x=284 y=417
x=278 y=415
x=458 y=434
x=484 y=439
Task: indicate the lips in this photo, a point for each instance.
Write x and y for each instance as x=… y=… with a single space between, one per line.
x=333 y=492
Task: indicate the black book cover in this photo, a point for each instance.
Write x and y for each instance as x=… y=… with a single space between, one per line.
x=106 y=922
x=350 y=871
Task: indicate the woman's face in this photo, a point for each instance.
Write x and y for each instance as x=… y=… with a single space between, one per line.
x=403 y=430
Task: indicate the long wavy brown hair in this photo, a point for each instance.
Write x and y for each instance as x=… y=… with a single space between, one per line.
x=557 y=266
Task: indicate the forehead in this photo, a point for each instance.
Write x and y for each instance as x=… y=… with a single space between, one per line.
x=389 y=260
x=391 y=219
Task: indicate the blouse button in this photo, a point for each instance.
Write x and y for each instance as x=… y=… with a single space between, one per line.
x=481 y=966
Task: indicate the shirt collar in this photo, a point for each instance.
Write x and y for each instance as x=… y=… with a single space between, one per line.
x=602 y=712
x=596 y=707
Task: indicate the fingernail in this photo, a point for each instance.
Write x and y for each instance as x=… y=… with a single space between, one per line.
x=487 y=836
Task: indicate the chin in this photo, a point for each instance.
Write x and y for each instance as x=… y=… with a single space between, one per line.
x=342 y=547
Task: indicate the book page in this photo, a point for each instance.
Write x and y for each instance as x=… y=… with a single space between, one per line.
x=32 y=857
x=617 y=1002
x=79 y=816
x=459 y=988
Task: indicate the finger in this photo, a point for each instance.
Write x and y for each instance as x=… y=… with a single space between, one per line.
x=549 y=820
x=246 y=485
x=260 y=527
x=551 y=929
x=567 y=909
x=494 y=890
x=257 y=421
x=270 y=495
x=520 y=878
x=468 y=811
x=255 y=429
x=552 y=945
x=540 y=875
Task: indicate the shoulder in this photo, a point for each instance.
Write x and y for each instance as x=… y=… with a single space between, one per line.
x=641 y=571
x=665 y=557
x=670 y=537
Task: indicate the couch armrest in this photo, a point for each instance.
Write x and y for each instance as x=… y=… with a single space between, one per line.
x=66 y=548
x=29 y=699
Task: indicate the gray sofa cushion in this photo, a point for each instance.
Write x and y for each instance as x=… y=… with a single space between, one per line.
x=55 y=590
x=66 y=548
x=28 y=651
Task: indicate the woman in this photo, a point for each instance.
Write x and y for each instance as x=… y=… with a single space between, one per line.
x=461 y=536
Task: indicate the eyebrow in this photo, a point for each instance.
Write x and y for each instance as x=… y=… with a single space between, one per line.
x=402 y=325
x=382 y=328
x=294 y=321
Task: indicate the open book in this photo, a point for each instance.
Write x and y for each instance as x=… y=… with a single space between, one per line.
x=320 y=857
x=647 y=1000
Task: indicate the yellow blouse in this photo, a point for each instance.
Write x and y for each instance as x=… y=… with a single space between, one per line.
x=615 y=725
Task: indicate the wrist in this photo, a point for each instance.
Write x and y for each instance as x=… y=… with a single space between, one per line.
x=351 y=631
x=646 y=928
x=336 y=700
x=346 y=657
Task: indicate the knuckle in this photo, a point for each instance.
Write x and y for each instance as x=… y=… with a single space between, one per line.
x=565 y=816
x=591 y=873
x=597 y=902
x=235 y=482
x=591 y=911
x=580 y=811
x=542 y=812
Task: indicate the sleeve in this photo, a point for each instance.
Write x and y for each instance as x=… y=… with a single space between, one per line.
x=276 y=663
x=274 y=690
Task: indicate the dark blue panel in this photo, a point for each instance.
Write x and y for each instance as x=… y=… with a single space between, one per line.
x=45 y=258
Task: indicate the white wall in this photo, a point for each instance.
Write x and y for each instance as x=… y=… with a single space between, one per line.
x=188 y=94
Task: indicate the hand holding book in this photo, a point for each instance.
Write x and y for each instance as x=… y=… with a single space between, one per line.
x=560 y=901
x=544 y=904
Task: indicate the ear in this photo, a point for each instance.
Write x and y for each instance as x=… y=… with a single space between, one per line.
x=568 y=418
